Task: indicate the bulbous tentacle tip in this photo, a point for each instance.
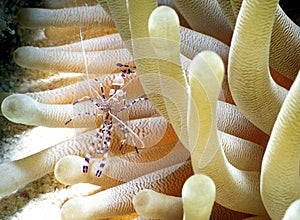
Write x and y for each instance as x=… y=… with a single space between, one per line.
x=140 y=200
x=198 y=196
x=18 y=108
x=163 y=16
x=24 y=56
x=34 y=17
x=213 y=63
x=67 y=170
x=153 y=205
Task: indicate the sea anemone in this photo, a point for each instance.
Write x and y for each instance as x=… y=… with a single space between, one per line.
x=187 y=126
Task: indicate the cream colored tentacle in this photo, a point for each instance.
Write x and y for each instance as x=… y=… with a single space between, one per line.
x=84 y=16
x=280 y=166
x=118 y=10
x=20 y=172
x=165 y=40
x=69 y=94
x=108 y=203
x=285 y=45
x=143 y=52
x=232 y=121
x=226 y=7
x=23 y=109
x=215 y=25
x=236 y=189
x=106 y=42
x=101 y=62
x=198 y=197
x=255 y=93
x=192 y=43
x=285 y=42
x=152 y=205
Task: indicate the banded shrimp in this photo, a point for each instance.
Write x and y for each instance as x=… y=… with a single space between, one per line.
x=110 y=105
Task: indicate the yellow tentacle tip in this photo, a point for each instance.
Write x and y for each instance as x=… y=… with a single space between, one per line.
x=161 y=21
x=198 y=196
x=211 y=64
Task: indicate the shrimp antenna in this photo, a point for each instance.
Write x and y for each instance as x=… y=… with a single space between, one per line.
x=86 y=63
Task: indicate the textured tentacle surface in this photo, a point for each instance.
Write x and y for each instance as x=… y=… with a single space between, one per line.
x=20 y=172
x=232 y=121
x=165 y=39
x=119 y=13
x=88 y=15
x=143 y=52
x=226 y=145
x=284 y=45
x=280 y=167
x=101 y=62
x=195 y=12
x=108 y=203
x=107 y=42
x=242 y=188
x=69 y=94
x=255 y=93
